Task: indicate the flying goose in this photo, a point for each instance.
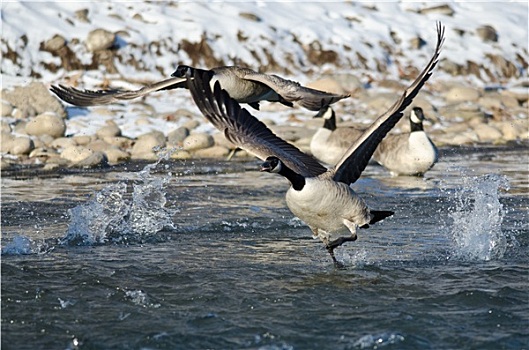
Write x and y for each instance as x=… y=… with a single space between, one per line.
x=243 y=84
x=410 y=153
x=320 y=197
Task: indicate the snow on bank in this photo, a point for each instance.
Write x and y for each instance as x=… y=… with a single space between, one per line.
x=363 y=36
x=256 y=32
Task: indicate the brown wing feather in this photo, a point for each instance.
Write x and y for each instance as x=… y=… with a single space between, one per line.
x=244 y=130
x=354 y=161
x=292 y=91
x=86 y=98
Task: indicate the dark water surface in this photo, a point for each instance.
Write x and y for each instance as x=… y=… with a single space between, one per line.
x=201 y=255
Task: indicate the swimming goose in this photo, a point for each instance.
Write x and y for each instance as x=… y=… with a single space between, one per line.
x=410 y=153
x=320 y=197
x=243 y=84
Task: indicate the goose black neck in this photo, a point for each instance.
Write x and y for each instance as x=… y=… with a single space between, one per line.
x=416 y=126
x=330 y=123
x=296 y=180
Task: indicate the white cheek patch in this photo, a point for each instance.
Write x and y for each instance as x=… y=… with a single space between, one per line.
x=327 y=114
x=277 y=169
x=414 y=118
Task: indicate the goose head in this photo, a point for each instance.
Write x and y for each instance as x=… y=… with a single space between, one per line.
x=416 y=119
x=329 y=117
x=181 y=71
x=417 y=115
x=326 y=113
x=271 y=165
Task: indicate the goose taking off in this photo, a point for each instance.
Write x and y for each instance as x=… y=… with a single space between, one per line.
x=410 y=153
x=243 y=84
x=320 y=197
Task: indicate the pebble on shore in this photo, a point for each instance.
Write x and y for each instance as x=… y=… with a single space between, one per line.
x=457 y=115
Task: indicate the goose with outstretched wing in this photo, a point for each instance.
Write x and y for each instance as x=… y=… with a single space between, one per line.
x=320 y=197
x=243 y=84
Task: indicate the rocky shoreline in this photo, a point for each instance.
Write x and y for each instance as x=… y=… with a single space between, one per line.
x=35 y=124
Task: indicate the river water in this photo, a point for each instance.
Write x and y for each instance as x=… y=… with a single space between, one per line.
x=205 y=255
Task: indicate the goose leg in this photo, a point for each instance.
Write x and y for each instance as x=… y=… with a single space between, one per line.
x=335 y=244
x=232 y=153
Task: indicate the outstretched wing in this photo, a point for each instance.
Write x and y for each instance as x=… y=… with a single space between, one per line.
x=85 y=98
x=292 y=91
x=355 y=159
x=243 y=129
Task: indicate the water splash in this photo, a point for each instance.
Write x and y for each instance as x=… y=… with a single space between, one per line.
x=477 y=217
x=22 y=245
x=114 y=215
x=375 y=341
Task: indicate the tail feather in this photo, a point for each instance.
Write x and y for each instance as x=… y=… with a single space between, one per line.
x=378 y=215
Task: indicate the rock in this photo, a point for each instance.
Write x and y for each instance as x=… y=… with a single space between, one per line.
x=99 y=39
x=327 y=84
x=487 y=33
x=46 y=139
x=487 y=133
x=181 y=154
x=491 y=101
x=21 y=145
x=461 y=94
x=220 y=140
x=111 y=130
x=509 y=101
x=145 y=145
x=198 y=141
x=467 y=137
x=33 y=99
x=54 y=44
x=46 y=124
x=177 y=136
x=113 y=153
x=6 y=142
x=116 y=155
x=83 y=139
x=5 y=127
x=19 y=127
x=7 y=109
x=461 y=111
x=212 y=152
x=63 y=142
x=441 y=9
x=520 y=94
x=82 y=15
x=191 y=124
x=51 y=166
x=98 y=146
x=76 y=154
x=514 y=129
x=43 y=152
x=96 y=159
x=4 y=165
x=119 y=141
x=348 y=82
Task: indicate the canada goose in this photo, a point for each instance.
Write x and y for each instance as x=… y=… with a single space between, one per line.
x=244 y=84
x=329 y=142
x=410 y=153
x=320 y=197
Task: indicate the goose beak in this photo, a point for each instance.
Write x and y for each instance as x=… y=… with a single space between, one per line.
x=266 y=166
x=320 y=113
